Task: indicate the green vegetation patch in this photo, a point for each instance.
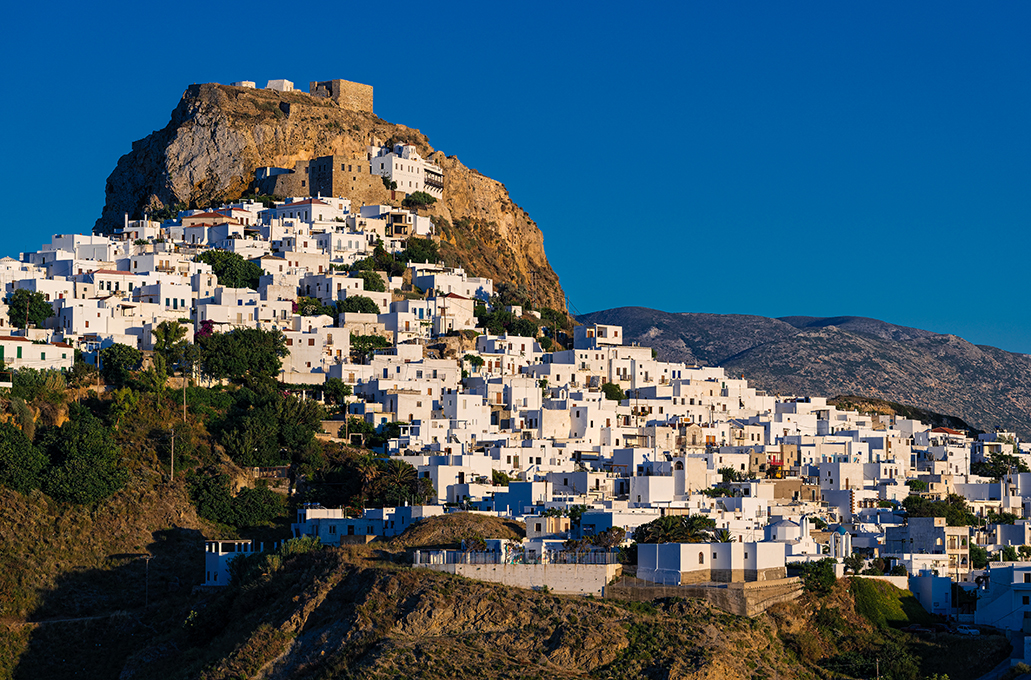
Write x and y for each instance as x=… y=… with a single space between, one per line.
x=885 y=605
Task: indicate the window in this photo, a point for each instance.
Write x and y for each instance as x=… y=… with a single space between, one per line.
x=701 y=558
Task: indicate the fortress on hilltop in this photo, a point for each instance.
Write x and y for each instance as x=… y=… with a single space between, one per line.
x=347 y=95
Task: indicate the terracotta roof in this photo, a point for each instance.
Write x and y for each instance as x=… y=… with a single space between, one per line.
x=309 y=201
x=111 y=271
x=948 y=430
x=204 y=214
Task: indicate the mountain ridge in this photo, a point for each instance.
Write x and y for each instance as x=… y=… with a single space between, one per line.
x=986 y=386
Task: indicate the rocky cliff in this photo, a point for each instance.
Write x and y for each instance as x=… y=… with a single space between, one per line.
x=987 y=387
x=219 y=135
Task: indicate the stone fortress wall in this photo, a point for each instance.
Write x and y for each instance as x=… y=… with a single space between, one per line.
x=347 y=95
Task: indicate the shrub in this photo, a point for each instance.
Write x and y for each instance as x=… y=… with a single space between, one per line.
x=613 y=392
x=21 y=463
x=118 y=361
x=231 y=269
x=373 y=281
x=85 y=460
x=357 y=303
x=251 y=507
x=817 y=577
x=418 y=199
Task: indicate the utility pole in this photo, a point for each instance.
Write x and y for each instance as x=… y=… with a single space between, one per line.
x=146 y=587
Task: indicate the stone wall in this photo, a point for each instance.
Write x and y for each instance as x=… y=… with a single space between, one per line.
x=562 y=579
x=347 y=95
x=742 y=599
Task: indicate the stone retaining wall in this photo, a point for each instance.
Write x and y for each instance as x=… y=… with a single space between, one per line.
x=743 y=599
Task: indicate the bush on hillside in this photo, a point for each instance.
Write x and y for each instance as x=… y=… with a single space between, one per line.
x=817 y=577
x=418 y=199
x=21 y=463
x=85 y=460
x=251 y=507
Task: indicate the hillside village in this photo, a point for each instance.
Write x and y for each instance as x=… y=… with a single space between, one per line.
x=513 y=411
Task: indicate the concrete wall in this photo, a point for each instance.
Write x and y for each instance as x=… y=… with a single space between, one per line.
x=563 y=579
x=901 y=582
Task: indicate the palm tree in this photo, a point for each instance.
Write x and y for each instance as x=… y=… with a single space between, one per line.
x=675 y=529
x=722 y=536
x=368 y=470
x=399 y=476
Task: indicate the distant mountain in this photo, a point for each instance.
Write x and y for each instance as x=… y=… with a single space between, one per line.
x=988 y=387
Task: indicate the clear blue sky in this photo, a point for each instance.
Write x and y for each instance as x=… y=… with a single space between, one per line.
x=805 y=158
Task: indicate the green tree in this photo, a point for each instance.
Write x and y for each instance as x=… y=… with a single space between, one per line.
x=916 y=485
x=214 y=501
x=368 y=470
x=309 y=306
x=854 y=563
x=373 y=281
x=155 y=378
x=81 y=375
x=357 y=303
x=722 y=536
x=524 y=328
x=231 y=269
x=118 y=361
x=418 y=199
x=954 y=509
x=85 y=460
x=613 y=392
x=1009 y=554
x=420 y=250
x=978 y=556
x=729 y=475
x=27 y=305
x=257 y=506
x=363 y=346
x=817 y=577
x=336 y=390
x=243 y=353
x=997 y=465
x=610 y=538
x=399 y=479
x=169 y=339
x=21 y=463
x=676 y=529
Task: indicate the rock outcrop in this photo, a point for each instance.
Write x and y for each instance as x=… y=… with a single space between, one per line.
x=219 y=135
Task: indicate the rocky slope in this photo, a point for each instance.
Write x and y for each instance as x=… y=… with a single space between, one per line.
x=218 y=135
x=985 y=386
